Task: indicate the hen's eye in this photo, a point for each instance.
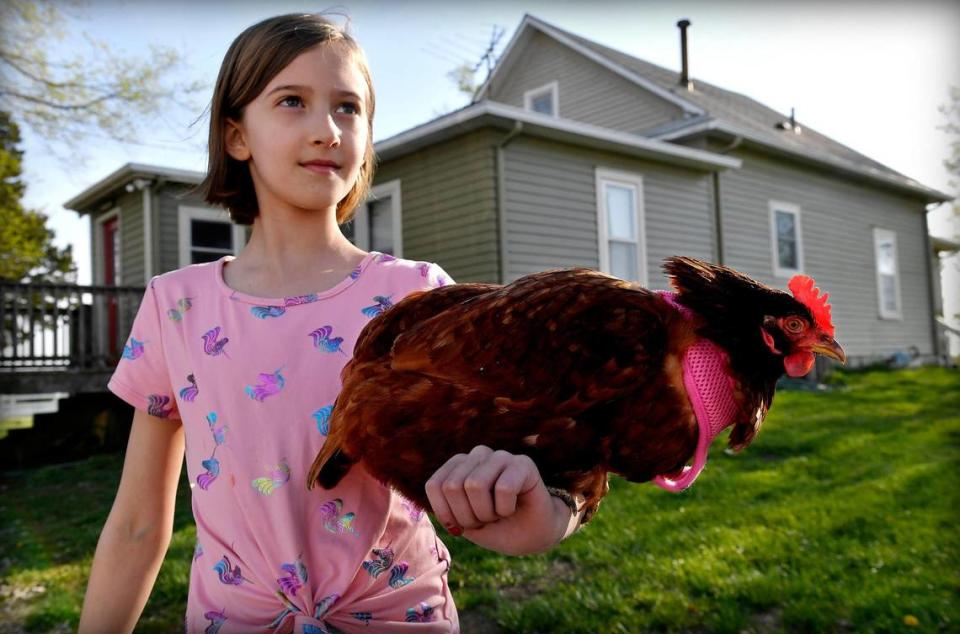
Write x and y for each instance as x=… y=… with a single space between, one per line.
x=794 y=325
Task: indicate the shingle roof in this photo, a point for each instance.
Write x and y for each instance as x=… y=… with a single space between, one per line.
x=741 y=113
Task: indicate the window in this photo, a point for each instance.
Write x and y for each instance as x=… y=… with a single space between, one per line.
x=376 y=226
x=622 y=244
x=543 y=99
x=888 y=272
x=207 y=235
x=786 y=238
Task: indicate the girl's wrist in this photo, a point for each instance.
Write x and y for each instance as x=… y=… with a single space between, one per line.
x=567 y=512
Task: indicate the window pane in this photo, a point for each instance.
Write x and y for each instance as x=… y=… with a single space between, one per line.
x=787 y=240
x=623 y=260
x=213 y=234
x=886 y=258
x=381 y=225
x=888 y=284
x=543 y=103
x=787 y=254
x=621 y=215
x=786 y=226
x=196 y=257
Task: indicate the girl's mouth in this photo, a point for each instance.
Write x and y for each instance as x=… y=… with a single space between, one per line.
x=321 y=167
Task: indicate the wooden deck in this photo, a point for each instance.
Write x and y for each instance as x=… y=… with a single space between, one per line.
x=62 y=337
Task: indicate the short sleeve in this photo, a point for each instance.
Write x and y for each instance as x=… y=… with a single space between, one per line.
x=437 y=277
x=141 y=377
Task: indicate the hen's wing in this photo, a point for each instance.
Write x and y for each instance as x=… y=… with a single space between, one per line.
x=558 y=341
x=377 y=338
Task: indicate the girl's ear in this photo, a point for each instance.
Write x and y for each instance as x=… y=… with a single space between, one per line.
x=236 y=144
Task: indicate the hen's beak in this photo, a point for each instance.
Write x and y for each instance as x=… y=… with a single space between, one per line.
x=828 y=347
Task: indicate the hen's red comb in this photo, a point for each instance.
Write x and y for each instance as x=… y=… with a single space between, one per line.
x=803 y=289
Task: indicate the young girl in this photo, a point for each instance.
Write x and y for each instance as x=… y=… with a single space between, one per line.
x=237 y=362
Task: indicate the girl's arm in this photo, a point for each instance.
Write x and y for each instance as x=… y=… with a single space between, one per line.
x=498 y=501
x=138 y=530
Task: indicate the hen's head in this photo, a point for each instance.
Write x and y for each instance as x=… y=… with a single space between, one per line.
x=802 y=328
x=759 y=326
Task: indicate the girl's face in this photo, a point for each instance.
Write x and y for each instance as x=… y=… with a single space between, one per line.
x=314 y=110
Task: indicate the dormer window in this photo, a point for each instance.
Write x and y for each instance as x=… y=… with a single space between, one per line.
x=543 y=100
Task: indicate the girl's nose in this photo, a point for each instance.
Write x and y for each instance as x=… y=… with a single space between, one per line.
x=325 y=131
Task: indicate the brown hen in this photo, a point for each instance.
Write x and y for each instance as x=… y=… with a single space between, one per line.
x=581 y=371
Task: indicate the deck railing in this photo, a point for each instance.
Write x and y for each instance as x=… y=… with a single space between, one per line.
x=64 y=326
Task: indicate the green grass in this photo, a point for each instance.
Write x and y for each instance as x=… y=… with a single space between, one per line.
x=840 y=517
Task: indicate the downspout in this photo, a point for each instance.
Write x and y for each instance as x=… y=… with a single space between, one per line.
x=146 y=189
x=148 y=232
x=501 y=199
x=717 y=205
x=930 y=286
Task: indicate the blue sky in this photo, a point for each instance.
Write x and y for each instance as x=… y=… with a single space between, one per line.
x=869 y=74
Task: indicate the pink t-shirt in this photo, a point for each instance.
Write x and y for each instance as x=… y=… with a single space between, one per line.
x=254 y=381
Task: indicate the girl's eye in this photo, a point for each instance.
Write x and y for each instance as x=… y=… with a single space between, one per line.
x=355 y=109
x=291 y=98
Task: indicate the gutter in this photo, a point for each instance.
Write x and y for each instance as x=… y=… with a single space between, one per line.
x=501 y=198
x=929 y=194
x=549 y=127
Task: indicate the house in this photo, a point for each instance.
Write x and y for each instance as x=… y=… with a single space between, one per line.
x=537 y=173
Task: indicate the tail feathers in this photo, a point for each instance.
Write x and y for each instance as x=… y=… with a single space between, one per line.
x=329 y=468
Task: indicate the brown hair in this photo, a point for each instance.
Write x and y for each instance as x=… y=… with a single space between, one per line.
x=255 y=57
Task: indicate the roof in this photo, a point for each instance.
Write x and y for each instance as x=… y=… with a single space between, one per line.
x=491 y=113
x=709 y=108
x=87 y=200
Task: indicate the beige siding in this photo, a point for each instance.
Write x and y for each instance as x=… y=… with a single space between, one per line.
x=551 y=208
x=131 y=239
x=448 y=202
x=588 y=92
x=837 y=220
x=167 y=222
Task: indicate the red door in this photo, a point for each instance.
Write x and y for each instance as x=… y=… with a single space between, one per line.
x=111 y=253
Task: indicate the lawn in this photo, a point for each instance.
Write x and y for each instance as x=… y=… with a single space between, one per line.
x=842 y=516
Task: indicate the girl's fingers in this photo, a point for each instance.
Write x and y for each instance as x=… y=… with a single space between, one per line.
x=435 y=495
x=520 y=475
x=454 y=491
x=479 y=486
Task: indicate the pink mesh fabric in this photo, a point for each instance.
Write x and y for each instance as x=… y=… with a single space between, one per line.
x=710 y=391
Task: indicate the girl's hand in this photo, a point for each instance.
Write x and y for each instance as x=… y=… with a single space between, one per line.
x=498 y=501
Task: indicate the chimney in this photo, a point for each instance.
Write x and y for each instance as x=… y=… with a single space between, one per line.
x=684 y=74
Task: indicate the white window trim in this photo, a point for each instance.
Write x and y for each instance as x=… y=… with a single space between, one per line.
x=634 y=181
x=204 y=213
x=553 y=88
x=779 y=271
x=361 y=226
x=99 y=272
x=878 y=236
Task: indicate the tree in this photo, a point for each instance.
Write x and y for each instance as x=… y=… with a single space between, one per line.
x=27 y=252
x=952 y=112
x=68 y=99
x=65 y=100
